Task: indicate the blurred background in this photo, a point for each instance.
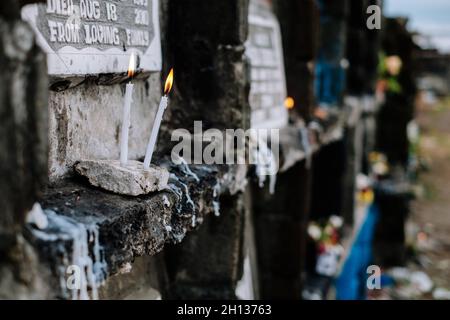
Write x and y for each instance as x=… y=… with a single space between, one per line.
x=426 y=274
x=358 y=92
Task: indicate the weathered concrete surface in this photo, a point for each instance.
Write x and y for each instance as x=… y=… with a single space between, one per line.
x=85 y=122
x=132 y=180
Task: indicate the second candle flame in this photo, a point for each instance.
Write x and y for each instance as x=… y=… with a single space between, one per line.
x=169 y=82
x=132 y=66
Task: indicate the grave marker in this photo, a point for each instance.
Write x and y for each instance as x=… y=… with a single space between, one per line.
x=92 y=37
x=268 y=83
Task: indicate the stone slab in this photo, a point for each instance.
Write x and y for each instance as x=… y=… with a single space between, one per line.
x=132 y=180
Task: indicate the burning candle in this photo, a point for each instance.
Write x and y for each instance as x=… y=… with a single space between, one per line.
x=126 y=113
x=157 y=123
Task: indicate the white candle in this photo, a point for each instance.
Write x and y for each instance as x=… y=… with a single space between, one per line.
x=126 y=114
x=126 y=124
x=156 y=125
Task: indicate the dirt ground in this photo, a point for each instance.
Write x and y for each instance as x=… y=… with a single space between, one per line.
x=426 y=274
x=431 y=211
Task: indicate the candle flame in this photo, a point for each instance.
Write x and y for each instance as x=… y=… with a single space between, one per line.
x=132 y=65
x=289 y=103
x=169 y=82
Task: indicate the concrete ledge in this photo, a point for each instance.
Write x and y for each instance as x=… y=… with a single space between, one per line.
x=127 y=227
x=331 y=130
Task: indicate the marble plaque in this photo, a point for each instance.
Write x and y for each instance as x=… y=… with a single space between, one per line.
x=96 y=36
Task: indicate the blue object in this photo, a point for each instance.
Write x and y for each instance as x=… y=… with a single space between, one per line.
x=329 y=82
x=387 y=281
x=351 y=283
x=330 y=73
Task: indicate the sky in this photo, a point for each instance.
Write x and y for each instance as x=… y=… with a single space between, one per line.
x=429 y=17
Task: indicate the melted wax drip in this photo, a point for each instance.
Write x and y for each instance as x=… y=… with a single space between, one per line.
x=93 y=270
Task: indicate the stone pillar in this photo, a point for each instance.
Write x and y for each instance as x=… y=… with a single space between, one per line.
x=353 y=148
x=328 y=180
x=280 y=225
x=392 y=140
x=389 y=244
x=206 y=49
x=23 y=120
x=208 y=263
x=398 y=109
x=23 y=151
x=363 y=47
